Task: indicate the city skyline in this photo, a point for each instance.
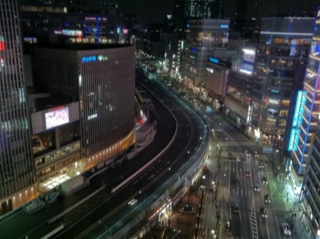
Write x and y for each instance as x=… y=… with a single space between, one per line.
x=80 y=123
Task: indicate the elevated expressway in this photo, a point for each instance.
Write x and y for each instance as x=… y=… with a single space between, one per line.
x=142 y=190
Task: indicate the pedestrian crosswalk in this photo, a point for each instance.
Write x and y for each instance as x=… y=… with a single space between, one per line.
x=240 y=156
x=253 y=221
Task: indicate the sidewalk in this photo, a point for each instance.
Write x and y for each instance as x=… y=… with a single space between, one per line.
x=295 y=214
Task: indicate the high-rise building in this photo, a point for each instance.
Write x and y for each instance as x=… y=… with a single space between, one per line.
x=17 y=170
x=310 y=193
x=237 y=103
x=88 y=121
x=101 y=78
x=75 y=21
x=204 y=9
x=304 y=141
x=184 y=10
x=203 y=37
x=283 y=43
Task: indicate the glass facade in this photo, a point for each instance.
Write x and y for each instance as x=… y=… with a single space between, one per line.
x=106 y=98
x=283 y=43
x=17 y=170
x=60 y=19
x=199 y=9
x=203 y=37
x=308 y=108
x=311 y=183
x=238 y=98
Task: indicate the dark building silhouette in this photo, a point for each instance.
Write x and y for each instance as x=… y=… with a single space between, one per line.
x=17 y=171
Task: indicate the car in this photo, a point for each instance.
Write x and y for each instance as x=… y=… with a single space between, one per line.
x=228 y=228
x=267 y=198
x=132 y=201
x=264 y=212
x=255 y=153
x=238 y=182
x=235 y=209
x=256 y=188
x=265 y=180
x=286 y=229
x=248 y=154
x=248 y=174
x=261 y=165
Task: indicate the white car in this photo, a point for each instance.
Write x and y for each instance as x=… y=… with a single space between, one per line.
x=265 y=180
x=264 y=213
x=267 y=198
x=132 y=202
x=256 y=188
x=286 y=229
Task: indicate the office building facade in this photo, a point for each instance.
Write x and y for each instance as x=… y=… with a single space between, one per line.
x=184 y=10
x=310 y=195
x=283 y=43
x=72 y=21
x=203 y=38
x=204 y=9
x=307 y=109
x=17 y=171
x=238 y=100
x=101 y=78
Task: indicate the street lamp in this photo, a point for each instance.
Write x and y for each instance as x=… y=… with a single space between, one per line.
x=145 y=196
x=105 y=228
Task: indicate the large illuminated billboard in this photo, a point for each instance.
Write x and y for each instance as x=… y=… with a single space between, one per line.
x=57 y=117
x=248 y=61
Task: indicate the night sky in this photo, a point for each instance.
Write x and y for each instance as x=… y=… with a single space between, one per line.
x=147 y=11
x=153 y=11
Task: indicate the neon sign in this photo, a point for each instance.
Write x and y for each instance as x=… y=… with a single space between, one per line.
x=214 y=60
x=102 y=58
x=88 y=58
x=293 y=132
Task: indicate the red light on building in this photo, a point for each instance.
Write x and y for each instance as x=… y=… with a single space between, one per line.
x=2 y=46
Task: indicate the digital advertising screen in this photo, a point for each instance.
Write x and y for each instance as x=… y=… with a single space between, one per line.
x=57 y=117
